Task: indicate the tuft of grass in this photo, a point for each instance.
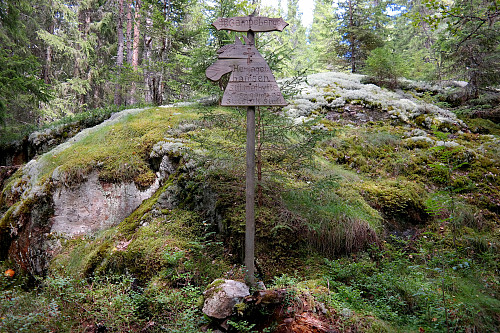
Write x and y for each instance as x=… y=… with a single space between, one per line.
x=337 y=220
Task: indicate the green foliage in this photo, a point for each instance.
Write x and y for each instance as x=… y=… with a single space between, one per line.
x=283 y=145
x=113 y=303
x=242 y=326
x=470 y=30
x=284 y=281
x=323 y=36
x=386 y=65
x=360 y=29
x=11 y=133
x=412 y=289
x=21 y=89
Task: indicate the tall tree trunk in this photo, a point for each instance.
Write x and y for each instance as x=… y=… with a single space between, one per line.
x=119 y=56
x=129 y=32
x=352 y=39
x=135 y=48
x=148 y=93
x=48 y=51
x=161 y=76
x=137 y=35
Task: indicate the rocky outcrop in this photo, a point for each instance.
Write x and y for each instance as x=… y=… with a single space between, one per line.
x=42 y=203
x=30 y=229
x=347 y=97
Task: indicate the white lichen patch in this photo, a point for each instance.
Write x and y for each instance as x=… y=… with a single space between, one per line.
x=336 y=90
x=169 y=146
x=448 y=144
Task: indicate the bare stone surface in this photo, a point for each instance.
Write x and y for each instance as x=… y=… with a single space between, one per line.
x=222 y=296
x=94 y=206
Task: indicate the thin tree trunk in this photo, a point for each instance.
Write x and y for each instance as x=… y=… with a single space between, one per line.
x=48 y=51
x=148 y=93
x=129 y=32
x=353 y=47
x=119 y=56
x=135 y=49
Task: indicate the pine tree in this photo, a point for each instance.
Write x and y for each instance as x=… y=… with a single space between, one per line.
x=472 y=42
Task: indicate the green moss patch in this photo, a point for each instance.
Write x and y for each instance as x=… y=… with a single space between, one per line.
x=400 y=201
x=120 y=151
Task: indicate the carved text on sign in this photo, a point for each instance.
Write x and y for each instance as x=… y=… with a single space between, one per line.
x=251 y=81
x=254 y=23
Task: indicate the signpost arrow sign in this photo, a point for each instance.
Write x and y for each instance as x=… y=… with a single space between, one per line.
x=246 y=23
x=251 y=82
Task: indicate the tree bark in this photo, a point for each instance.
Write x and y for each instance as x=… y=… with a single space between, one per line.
x=135 y=48
x=137 y=35
x=48 y=51
x=119 y=56
x=148 y=82
x=129 y=32
x=352 y=40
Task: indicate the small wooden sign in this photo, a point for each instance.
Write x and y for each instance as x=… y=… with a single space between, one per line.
x=246 y=23
x=251 y=82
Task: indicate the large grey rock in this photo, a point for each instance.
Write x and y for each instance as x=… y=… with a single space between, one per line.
x=221 y=297
x=93 y=205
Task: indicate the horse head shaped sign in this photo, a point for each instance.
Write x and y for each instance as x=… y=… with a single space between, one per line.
x=251 y=81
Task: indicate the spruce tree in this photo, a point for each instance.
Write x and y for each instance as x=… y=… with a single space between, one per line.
x=21 y=84
x=359 y=30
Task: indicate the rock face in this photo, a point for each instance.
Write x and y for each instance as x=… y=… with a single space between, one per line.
x=93 y=206
x=221 y=297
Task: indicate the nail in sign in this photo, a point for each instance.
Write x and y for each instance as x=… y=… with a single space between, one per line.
x=251 y=82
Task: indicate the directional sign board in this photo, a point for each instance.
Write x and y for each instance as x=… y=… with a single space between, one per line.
x=246 y=23
x=251 y=82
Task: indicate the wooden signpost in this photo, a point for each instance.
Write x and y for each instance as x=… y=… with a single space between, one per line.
x=251 y=84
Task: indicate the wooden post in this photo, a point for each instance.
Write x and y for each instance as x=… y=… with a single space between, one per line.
x=250 y=198
x=251 y=84
x=250 y=190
